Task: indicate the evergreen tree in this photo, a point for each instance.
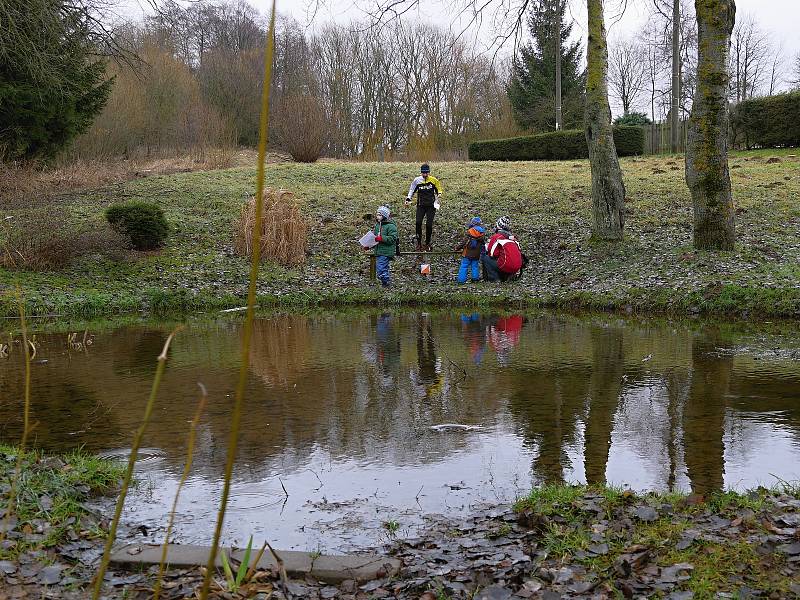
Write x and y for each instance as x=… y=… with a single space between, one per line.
x=532 y=87
x=52 y=84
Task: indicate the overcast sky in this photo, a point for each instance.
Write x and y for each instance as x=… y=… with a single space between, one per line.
x=780 y=17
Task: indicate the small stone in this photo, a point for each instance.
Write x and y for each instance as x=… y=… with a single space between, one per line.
x=599 y=549
x=646 y=513
x=10 y=525
x=564 y=575
x=529 y=588
x=790 y=549
x=581 y=587
x=7 y=567
x=50 y=575
x=684 y=544
x=494 y=592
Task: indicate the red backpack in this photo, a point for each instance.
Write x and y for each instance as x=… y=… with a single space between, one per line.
x=509 y=259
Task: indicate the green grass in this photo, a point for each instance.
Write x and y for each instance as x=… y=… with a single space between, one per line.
x=53 y=489
x=565 y=529
x=653 y=269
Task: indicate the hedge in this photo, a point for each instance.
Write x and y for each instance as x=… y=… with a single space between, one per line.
x=558 y=145
x=771 y=122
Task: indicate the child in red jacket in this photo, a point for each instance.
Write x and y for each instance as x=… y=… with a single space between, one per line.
x=503 y=259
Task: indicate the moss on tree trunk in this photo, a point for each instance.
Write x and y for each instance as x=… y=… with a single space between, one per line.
x=608 y=190
x=707 y=172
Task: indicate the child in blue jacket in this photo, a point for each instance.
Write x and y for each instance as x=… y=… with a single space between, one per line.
x=472 y=246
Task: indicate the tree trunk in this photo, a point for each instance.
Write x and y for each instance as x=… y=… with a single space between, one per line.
x=707 y=172
x=676 y=75
x=608 y=190
x=559 y=16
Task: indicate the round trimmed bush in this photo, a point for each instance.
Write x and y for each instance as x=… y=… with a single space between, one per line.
x=143 y=222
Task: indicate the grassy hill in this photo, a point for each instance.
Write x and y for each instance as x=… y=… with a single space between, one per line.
x=549 y=203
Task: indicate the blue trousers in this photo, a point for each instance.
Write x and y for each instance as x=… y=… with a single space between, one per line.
x=382 y=268
x=466 y=264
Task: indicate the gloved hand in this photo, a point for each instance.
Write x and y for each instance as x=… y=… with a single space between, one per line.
x=378 y=238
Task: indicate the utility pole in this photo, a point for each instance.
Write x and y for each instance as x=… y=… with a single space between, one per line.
x=676 y=77
x=558 y=65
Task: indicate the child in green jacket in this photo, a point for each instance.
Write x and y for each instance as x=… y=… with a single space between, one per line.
x=386 y=235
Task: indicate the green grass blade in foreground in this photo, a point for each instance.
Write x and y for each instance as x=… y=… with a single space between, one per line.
x=26 y=417
x=245 y=564
x=226 y=566
x=201 y=405
x=251 y=301
x=137 y=440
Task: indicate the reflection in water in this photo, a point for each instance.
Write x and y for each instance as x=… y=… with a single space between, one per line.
x=605 y=387
x=340 y=409
x=704 y=412
x=428 y=375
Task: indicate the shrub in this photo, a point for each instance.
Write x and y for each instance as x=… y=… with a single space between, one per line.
x=284 y=232
x=142 y=222
x=40 y=239
x=303 y=127
x=558 y=145
x=633 y=119
x=770 y=122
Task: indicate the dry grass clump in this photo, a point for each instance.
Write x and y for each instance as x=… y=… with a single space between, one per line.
x=284 y=231
x=41 y=240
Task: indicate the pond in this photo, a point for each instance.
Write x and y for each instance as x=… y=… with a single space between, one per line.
x=339 y=431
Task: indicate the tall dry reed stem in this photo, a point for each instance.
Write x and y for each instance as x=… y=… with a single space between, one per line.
x=284 y=231
x=12 y=493
x=201 y=406
x=251 y=304
x=126 y=481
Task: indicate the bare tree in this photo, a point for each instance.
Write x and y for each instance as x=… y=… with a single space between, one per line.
x=776 y=74
x=796 y=71
x=653 y=61
x=671 y=12
x=676 y=75
x=750 y=59
x=707 y=173
x=608 y=189
x=627 y=72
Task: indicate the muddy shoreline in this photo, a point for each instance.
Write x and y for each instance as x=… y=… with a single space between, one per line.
x=561 y=541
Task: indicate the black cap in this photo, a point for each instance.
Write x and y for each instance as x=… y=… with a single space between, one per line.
x=425 y=168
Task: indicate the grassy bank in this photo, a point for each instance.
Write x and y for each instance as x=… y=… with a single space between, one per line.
x=51 y=492
x=726 y=542
x=653 y=269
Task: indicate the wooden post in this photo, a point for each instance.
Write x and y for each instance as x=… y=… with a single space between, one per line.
x=373 y=267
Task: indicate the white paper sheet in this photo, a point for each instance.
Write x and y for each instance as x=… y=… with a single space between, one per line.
x=368 y=241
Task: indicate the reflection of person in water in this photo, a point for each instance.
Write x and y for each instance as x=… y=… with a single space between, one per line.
x=475 y=335
x=429 y=374
x=504 y=335
x=388 y=348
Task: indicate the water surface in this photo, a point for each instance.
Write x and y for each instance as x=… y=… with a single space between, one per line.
x=339 y=410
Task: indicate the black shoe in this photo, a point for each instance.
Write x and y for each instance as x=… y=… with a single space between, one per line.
x=385 y=285
x=429 y=248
